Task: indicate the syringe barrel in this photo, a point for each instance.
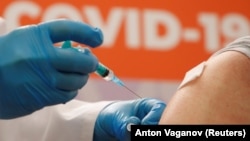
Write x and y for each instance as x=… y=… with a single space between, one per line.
x=104 y=72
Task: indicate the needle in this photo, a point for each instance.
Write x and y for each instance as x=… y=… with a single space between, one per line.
x=131 y=91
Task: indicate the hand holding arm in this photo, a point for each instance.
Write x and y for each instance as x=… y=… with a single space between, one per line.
x=111 y=123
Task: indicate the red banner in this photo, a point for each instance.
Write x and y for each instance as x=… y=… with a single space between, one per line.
x=145 y=39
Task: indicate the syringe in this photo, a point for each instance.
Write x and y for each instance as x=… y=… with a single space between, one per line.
x=108 y=75
x=104 y=72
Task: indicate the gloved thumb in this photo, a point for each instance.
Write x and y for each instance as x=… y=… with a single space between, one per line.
x=154 y=112
x=126 y=128
x=62 y=30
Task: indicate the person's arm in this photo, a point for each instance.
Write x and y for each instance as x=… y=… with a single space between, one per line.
x=220 y=94
x=73 y=121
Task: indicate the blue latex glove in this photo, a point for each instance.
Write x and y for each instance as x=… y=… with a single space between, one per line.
x=34 y=73
x=112 y=121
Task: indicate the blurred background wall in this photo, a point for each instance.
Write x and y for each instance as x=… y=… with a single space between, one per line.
x=148 y=44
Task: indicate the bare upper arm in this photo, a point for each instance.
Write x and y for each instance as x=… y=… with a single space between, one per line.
x=220 y=95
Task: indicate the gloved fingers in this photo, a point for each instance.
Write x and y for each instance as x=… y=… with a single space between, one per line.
x=126 y=128
x=74 y=60
x=69 y=81
x=61 y=30
x=46 y=98
x=132 y=121
x=60 y=96
x=152 y=109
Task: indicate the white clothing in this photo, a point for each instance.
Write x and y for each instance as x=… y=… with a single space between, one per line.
x=2 y=26
x=73 y=121
x=241 y=45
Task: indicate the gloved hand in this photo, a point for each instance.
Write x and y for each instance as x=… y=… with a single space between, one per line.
x=34 y=73
x=111 y=123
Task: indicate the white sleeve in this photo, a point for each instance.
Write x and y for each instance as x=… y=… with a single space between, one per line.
x=3 y=27
x=73 y=121
x=241 y=45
